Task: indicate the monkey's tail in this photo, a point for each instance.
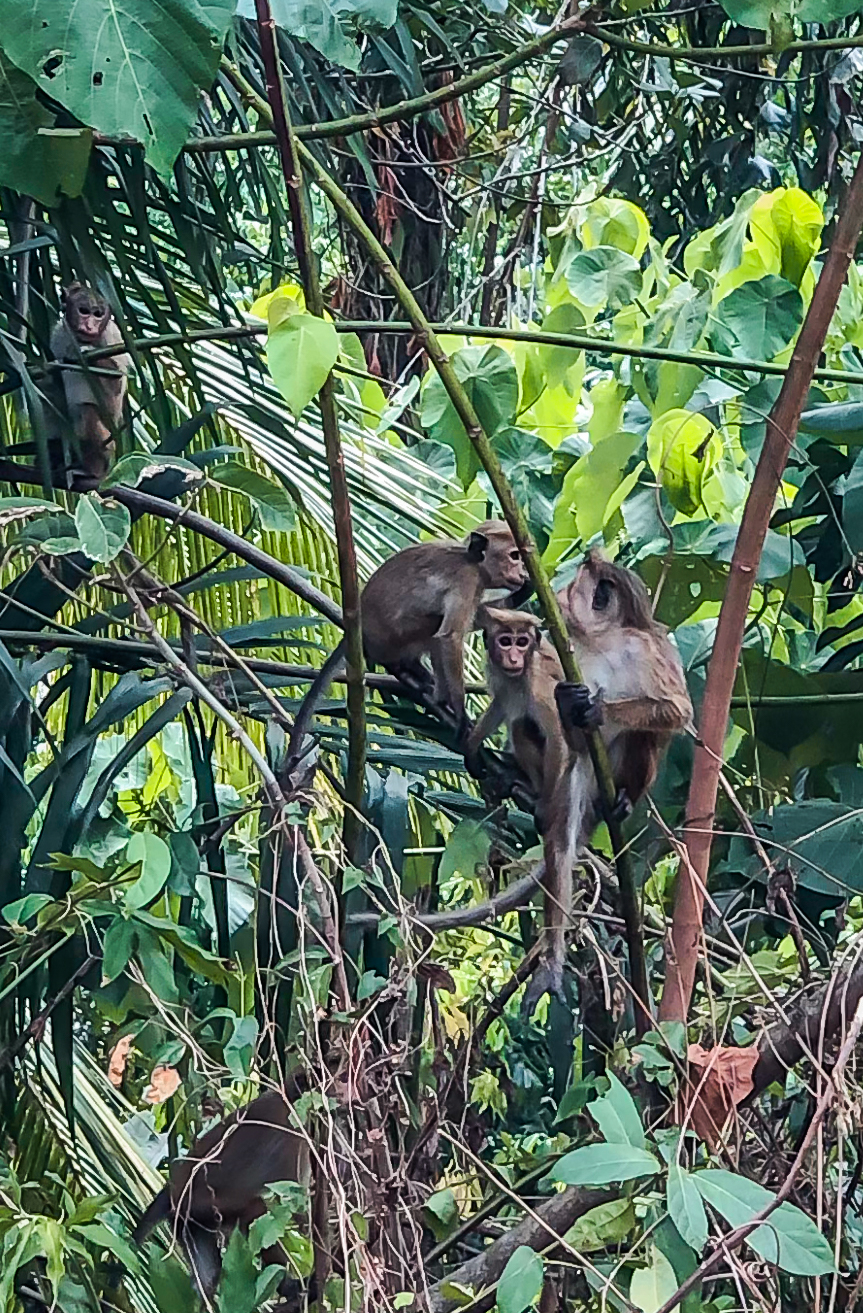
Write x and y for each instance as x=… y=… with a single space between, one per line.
x=159 y=1210
x=317 y=689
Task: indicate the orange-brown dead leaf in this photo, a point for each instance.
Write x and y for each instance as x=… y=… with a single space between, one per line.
x=118 y=1059
x=719 y=1080
x=164 y=1081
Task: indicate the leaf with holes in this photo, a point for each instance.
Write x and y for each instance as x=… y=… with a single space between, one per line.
x=38 y=159
x=135 y=70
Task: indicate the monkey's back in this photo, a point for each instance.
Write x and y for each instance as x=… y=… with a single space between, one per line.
x=405 y=597
x=237 y=1159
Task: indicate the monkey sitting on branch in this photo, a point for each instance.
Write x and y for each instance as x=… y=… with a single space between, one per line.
x=220 y=1185
x=422 y=602
x=95 y=396
x=635 y=693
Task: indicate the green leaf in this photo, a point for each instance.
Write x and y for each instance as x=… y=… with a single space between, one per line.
x=653 y=1285
x=369 y=985
x=20 y=912
x=682 y=448
x=604 y=276
x=273 y=504
x=155 y=858
x=24 y=508
x=172 y=1284
x=38 y=159
x=526 y=461
x=490 y=379
x=237 y=1292
x=103 y=527
x=617 y=1116
x=685 y=1207
x=520 y=1281
x=600 y=1164
x=798 y=220
x=467 y=848
x=119 y=945
x=557 y=361
x=240 y=1048
x=328 y=24
x=135 y=70
x=301 y=352
x=821 y=839
x=606 y=1224
x=802 y=1249
x=133 y=469
x=758 y=319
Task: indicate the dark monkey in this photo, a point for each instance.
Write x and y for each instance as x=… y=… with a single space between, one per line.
x=220 y=1184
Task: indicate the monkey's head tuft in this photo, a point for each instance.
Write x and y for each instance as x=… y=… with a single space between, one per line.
x=511 y=637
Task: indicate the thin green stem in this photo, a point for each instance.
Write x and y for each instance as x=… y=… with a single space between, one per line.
x=518 y=524
x=342 y=519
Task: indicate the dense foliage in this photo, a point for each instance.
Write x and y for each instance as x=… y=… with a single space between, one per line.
x=613 y=223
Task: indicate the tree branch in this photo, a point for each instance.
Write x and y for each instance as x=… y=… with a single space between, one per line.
x=782 y=425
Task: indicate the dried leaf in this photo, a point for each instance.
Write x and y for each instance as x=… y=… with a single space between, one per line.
x=117 y=1060
x=164 y=1081
x=720 y=1079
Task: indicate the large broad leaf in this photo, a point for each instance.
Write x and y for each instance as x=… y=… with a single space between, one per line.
x=653 y=1285
x=272 y=502
x=557 y=361
x=588 y=490
x=842 y=423
x=682 y=448
x=154 y=856
x=798 y=222
x=685 y=1207
x=822 y=841
x=103 y=527
x=520 y=1282
x=37 y=160
x=526 y=461
x=301 y=351
x=607 y=1224
x=135 y=69
x=600 y=1164
x=802 y=1249
x=329 y=25
x=779 y=555
x=617 y=1116
x=604 y=276
x=758 y=319
x=488 y=376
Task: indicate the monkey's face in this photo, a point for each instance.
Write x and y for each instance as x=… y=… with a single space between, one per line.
x=511 y=649
x=502 y=566
x=592 y=603
x=87 y=316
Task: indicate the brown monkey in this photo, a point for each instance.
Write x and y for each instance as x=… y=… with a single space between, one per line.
x=635 y=692
x=221 y=1182
x=523 y=670
x=91 y=398
x=423 y=601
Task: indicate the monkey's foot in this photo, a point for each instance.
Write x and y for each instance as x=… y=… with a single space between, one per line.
x=547 y=979
x=577 y=706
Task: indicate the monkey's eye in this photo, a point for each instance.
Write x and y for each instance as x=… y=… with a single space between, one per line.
x=523 y=641
x=515 y=555
x=504 y=640
x=602 y=594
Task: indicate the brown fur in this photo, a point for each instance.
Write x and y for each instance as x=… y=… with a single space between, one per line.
x=424 y=600
x=521 y=681
x=220 y=1183
x=91 y=398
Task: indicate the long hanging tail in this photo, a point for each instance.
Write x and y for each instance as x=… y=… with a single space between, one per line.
x=159 y=1210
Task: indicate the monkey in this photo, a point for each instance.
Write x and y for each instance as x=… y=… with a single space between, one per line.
x=91 y=398
x=423 y=601
x=634 y=694
x=523 y=671
x=220 y=1184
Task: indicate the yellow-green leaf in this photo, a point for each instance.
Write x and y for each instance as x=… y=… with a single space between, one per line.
x=682 y=448
x=301 y=351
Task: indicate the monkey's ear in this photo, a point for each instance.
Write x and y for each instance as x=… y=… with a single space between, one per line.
x=477 y=546
x=71 y=290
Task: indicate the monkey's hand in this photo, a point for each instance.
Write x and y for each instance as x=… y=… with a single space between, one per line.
x=577 y=707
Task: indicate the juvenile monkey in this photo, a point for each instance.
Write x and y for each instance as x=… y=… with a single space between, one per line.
x=91 y=398
x=221 y=1182
x=523 y=670
x=635 y=692
x=423 y=601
